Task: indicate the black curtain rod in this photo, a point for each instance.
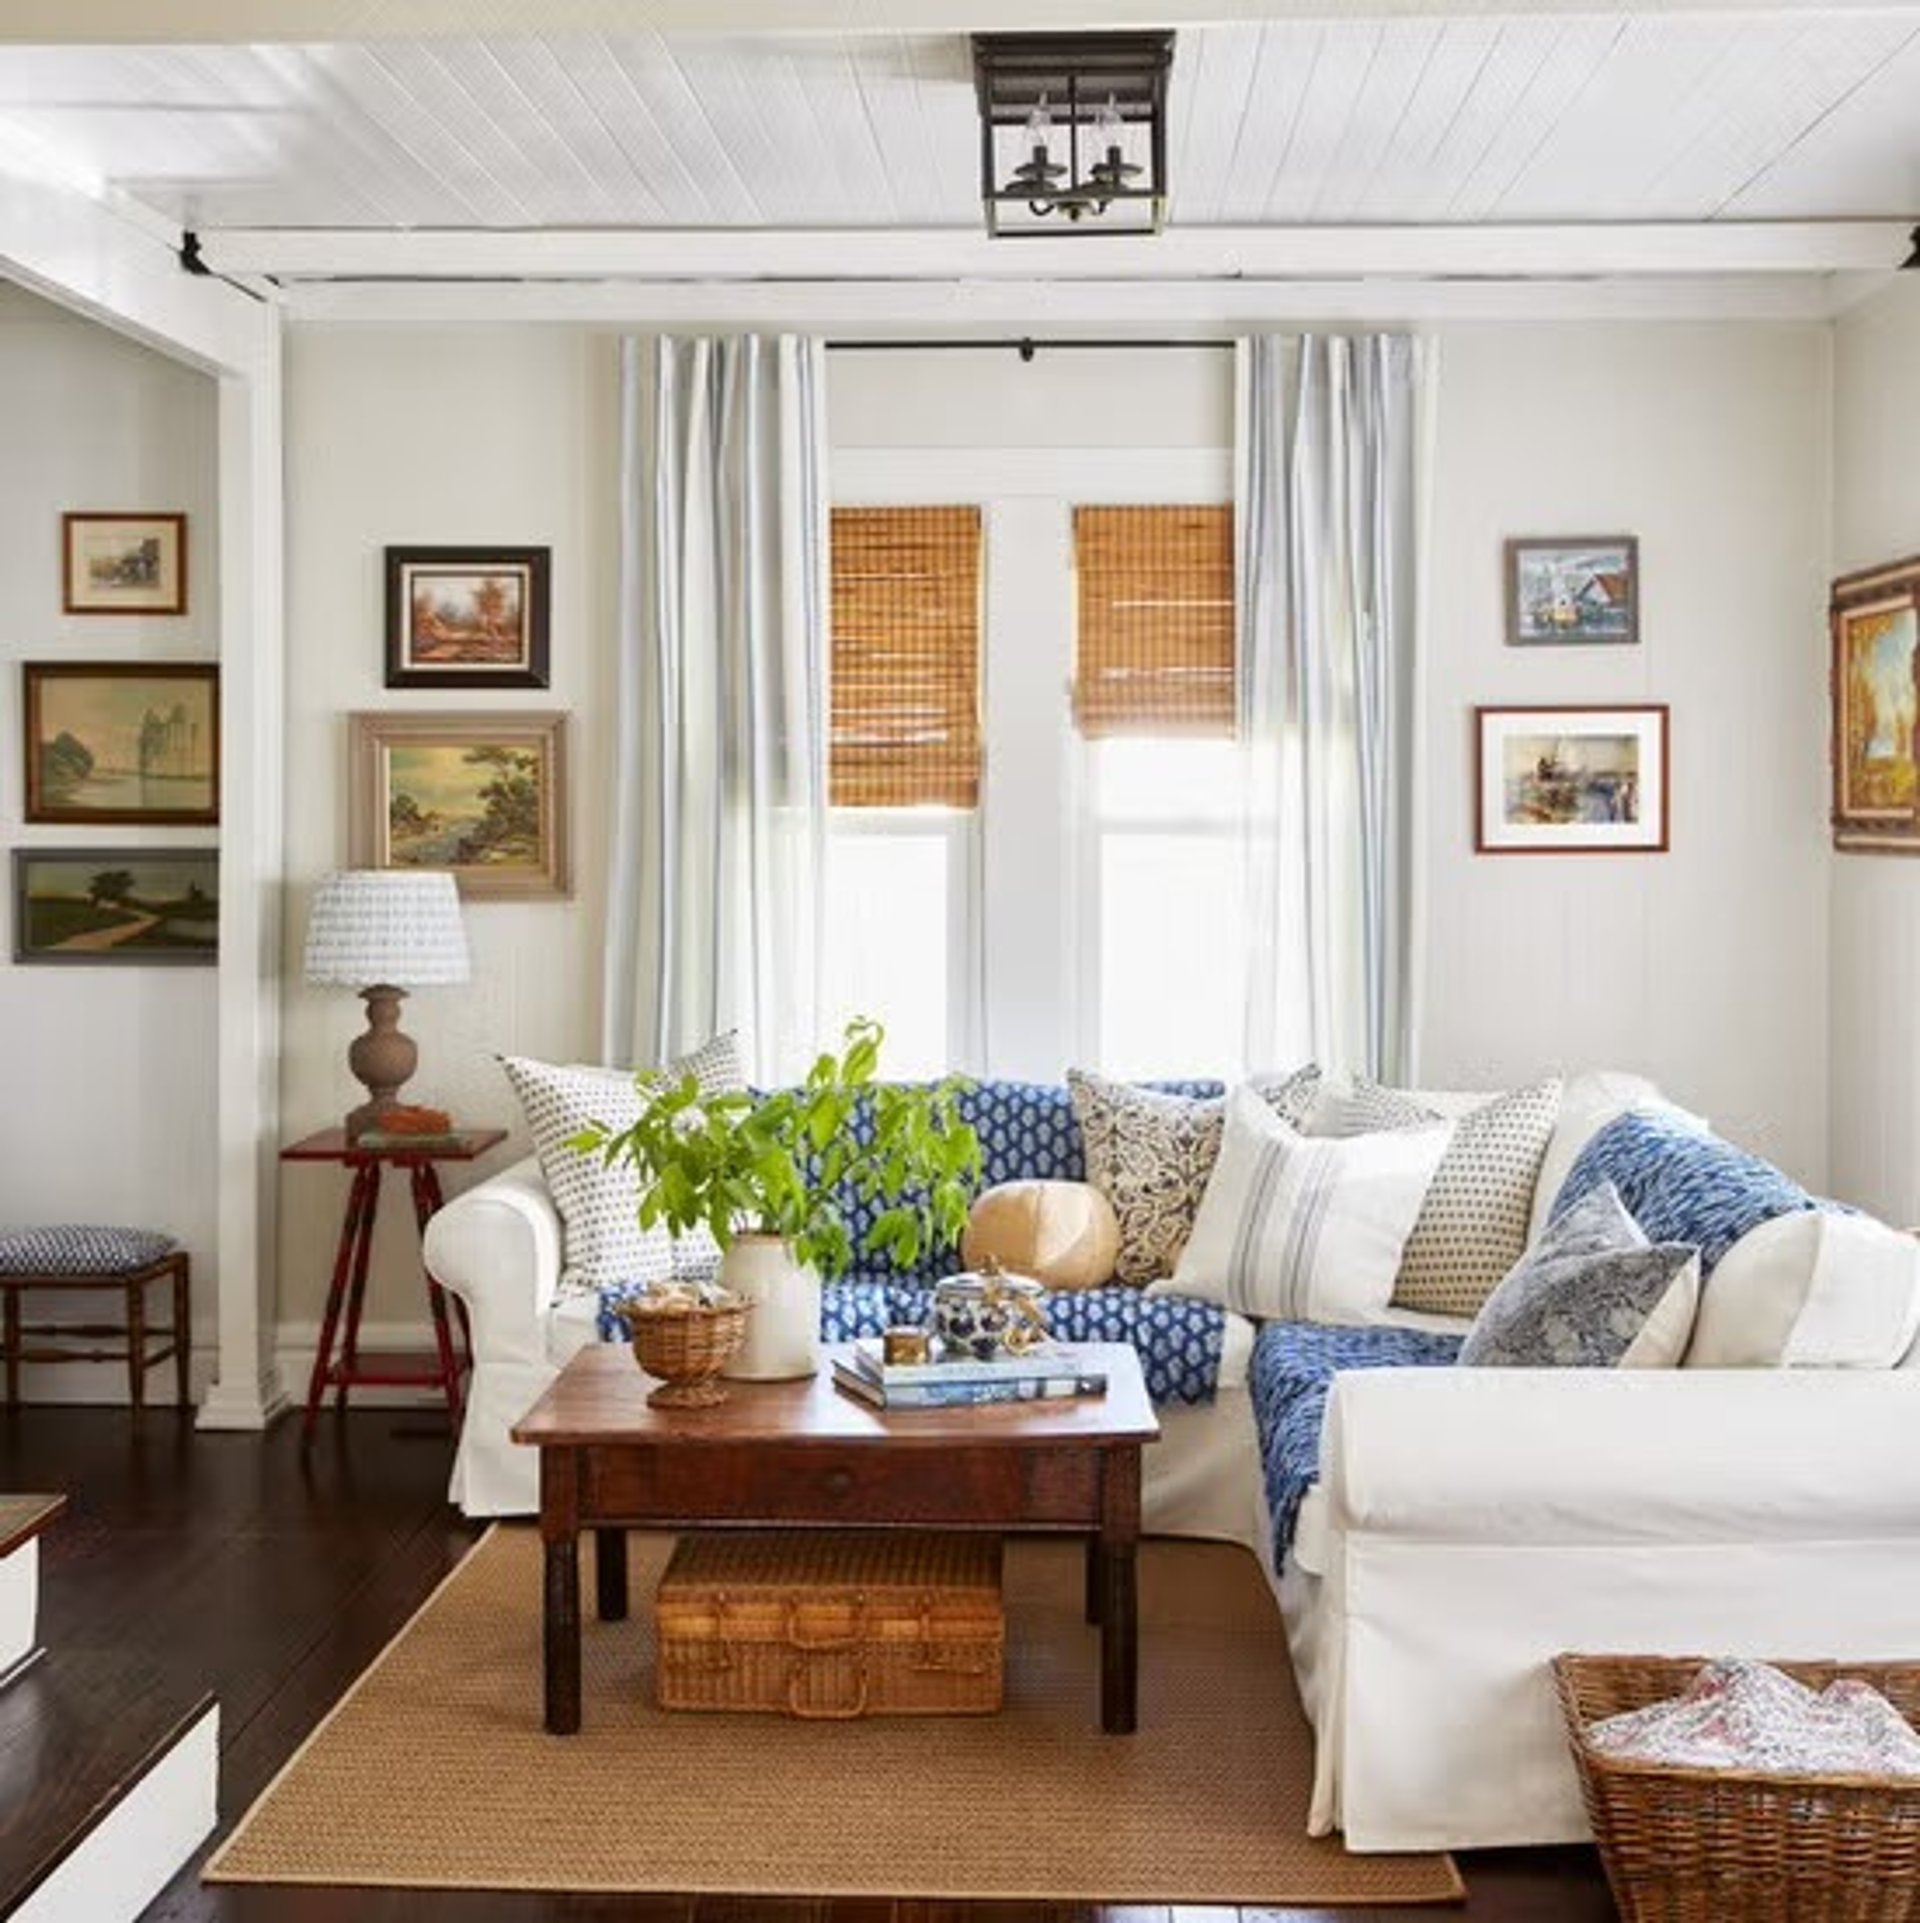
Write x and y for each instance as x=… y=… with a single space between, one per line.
x=1026 y=346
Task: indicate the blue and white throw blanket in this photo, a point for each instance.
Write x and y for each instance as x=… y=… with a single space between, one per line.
x=1294 y=1364
x=1179 y=1341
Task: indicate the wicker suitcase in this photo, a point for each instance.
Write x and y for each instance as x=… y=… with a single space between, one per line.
x=831 y=1626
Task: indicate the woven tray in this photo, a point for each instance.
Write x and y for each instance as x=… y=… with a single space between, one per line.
x=831 y=1626
x=1739 y=1846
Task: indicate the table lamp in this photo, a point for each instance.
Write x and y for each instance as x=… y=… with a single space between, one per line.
x=372 y=929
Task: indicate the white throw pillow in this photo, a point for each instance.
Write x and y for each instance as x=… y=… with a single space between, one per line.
x=603 y=1244
x=1303 y=1229
x=1813 y=1290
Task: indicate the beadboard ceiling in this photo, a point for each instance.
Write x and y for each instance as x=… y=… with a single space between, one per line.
x=1540 y=118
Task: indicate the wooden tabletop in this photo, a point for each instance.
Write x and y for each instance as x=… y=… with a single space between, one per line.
x=23 y=1517
x=331 y=1145
x=601 y=1397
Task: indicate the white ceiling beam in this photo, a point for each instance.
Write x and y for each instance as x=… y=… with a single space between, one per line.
x=861 y=310
x=247 y=22
x=81 y=244
x=1187 y=254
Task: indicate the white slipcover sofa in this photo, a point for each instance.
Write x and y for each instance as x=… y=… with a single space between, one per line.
x=1466 y=1526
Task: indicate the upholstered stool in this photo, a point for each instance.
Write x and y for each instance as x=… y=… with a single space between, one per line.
x=77 y=1257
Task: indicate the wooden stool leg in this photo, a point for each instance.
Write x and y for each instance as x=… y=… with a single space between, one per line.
x=182 y=1332
x=357 y=1288
x=13 y=1348
x=137 y=1342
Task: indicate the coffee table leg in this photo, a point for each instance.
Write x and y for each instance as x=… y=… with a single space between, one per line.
x=560 y=1532
x=610 y=1575
x=1114 y=1551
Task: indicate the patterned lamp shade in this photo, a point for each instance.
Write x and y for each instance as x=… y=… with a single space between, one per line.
x=394 y=926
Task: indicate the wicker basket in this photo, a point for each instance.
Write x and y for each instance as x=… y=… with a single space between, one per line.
x=687 y=1347
x=1737 y=1846
x=830 y=1627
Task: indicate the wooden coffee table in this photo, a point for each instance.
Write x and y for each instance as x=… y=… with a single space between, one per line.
x=805 y=1454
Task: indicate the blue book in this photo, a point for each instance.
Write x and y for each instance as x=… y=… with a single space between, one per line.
x=963 y=1395
x=1037 y=1364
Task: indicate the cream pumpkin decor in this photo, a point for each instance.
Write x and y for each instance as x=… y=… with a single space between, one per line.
x=1062 y=1234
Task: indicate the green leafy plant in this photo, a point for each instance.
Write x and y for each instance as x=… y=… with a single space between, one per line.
x=783 y=1163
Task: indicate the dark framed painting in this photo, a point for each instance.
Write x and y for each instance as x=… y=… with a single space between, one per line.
x=467 y=617
x=1573 y=591
x=124 y=906
x=481 y=795
x=122 y=743
x=1571 y=781
x=1874 y=618
x=123 y=563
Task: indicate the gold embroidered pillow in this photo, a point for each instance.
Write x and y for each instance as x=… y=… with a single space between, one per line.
x=1150 y=1154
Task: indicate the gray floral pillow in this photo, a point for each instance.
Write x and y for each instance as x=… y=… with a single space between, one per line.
x=1592 y=1293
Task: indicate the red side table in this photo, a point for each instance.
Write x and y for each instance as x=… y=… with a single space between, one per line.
x=346 y=1295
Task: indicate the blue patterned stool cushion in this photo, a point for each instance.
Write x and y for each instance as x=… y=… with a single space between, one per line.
x=1179 y=1341
x=1294 y=1364
x=1682 y=1184
x=73 y=1248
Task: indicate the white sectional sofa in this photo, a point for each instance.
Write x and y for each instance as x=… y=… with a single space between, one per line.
x=1467 y=1523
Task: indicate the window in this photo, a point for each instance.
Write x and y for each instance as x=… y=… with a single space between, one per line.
x=904 y=778
x=1163 y=925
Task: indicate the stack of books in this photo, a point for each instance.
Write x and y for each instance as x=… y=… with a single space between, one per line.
x=1043 y=1374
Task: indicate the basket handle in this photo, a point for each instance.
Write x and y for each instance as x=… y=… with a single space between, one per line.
x=857 y=1602
x=845 y=1713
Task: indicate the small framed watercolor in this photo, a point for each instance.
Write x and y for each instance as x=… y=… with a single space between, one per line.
x=467 y=617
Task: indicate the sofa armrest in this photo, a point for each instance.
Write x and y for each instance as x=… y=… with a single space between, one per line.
x=497 y=1247
x=1618 y=1456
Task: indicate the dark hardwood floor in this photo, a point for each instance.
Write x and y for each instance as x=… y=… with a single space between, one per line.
x=273 y=1576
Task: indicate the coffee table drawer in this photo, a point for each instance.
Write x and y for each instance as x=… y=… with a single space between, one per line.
x=802 y=1483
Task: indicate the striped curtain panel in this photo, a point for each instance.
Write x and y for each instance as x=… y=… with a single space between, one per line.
x=720 y=777
x=1328 y=519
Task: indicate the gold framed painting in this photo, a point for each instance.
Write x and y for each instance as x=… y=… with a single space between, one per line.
x=480 y=795
x=123 y=563
x=1874 y=618
x=122 y=743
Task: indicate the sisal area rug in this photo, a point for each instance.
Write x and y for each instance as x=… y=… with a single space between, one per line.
x=434 y=1771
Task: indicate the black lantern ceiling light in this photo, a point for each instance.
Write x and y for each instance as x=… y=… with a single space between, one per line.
x=1073 y=131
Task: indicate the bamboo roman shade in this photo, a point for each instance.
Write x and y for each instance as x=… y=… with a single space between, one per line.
x=1155 y=648
x=905 y=715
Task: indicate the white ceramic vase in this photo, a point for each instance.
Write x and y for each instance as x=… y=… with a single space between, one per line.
x=783 y=1332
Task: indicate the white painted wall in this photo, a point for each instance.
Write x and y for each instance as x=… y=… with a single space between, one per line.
x=1706 y=967
x=414 y=438
x=111 y=1116
x=1875 y=1018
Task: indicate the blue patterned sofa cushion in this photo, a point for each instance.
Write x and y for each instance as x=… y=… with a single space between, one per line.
x=1682 y=1184
x=1179 y=1341
x=1027 y=1133
x=1294 y=1364
x=78 y=1248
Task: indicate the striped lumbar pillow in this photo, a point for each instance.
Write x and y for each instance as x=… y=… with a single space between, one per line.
x=1304 y=1229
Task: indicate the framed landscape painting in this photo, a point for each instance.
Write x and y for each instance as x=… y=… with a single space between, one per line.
x=123 y=563
x=467 y=617
x=122 y=743
x=1573 y=590
x=1571 y=781
x=119 y=905
x=483 y=796
x=1875 y=623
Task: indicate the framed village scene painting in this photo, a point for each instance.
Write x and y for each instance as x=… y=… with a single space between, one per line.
x=483 y=796
x=1875 y=622
x=116 y=905
x=123 y=743
x=1571 y=781
x=467 y=617
x=1573 y=591
x=123 y=563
